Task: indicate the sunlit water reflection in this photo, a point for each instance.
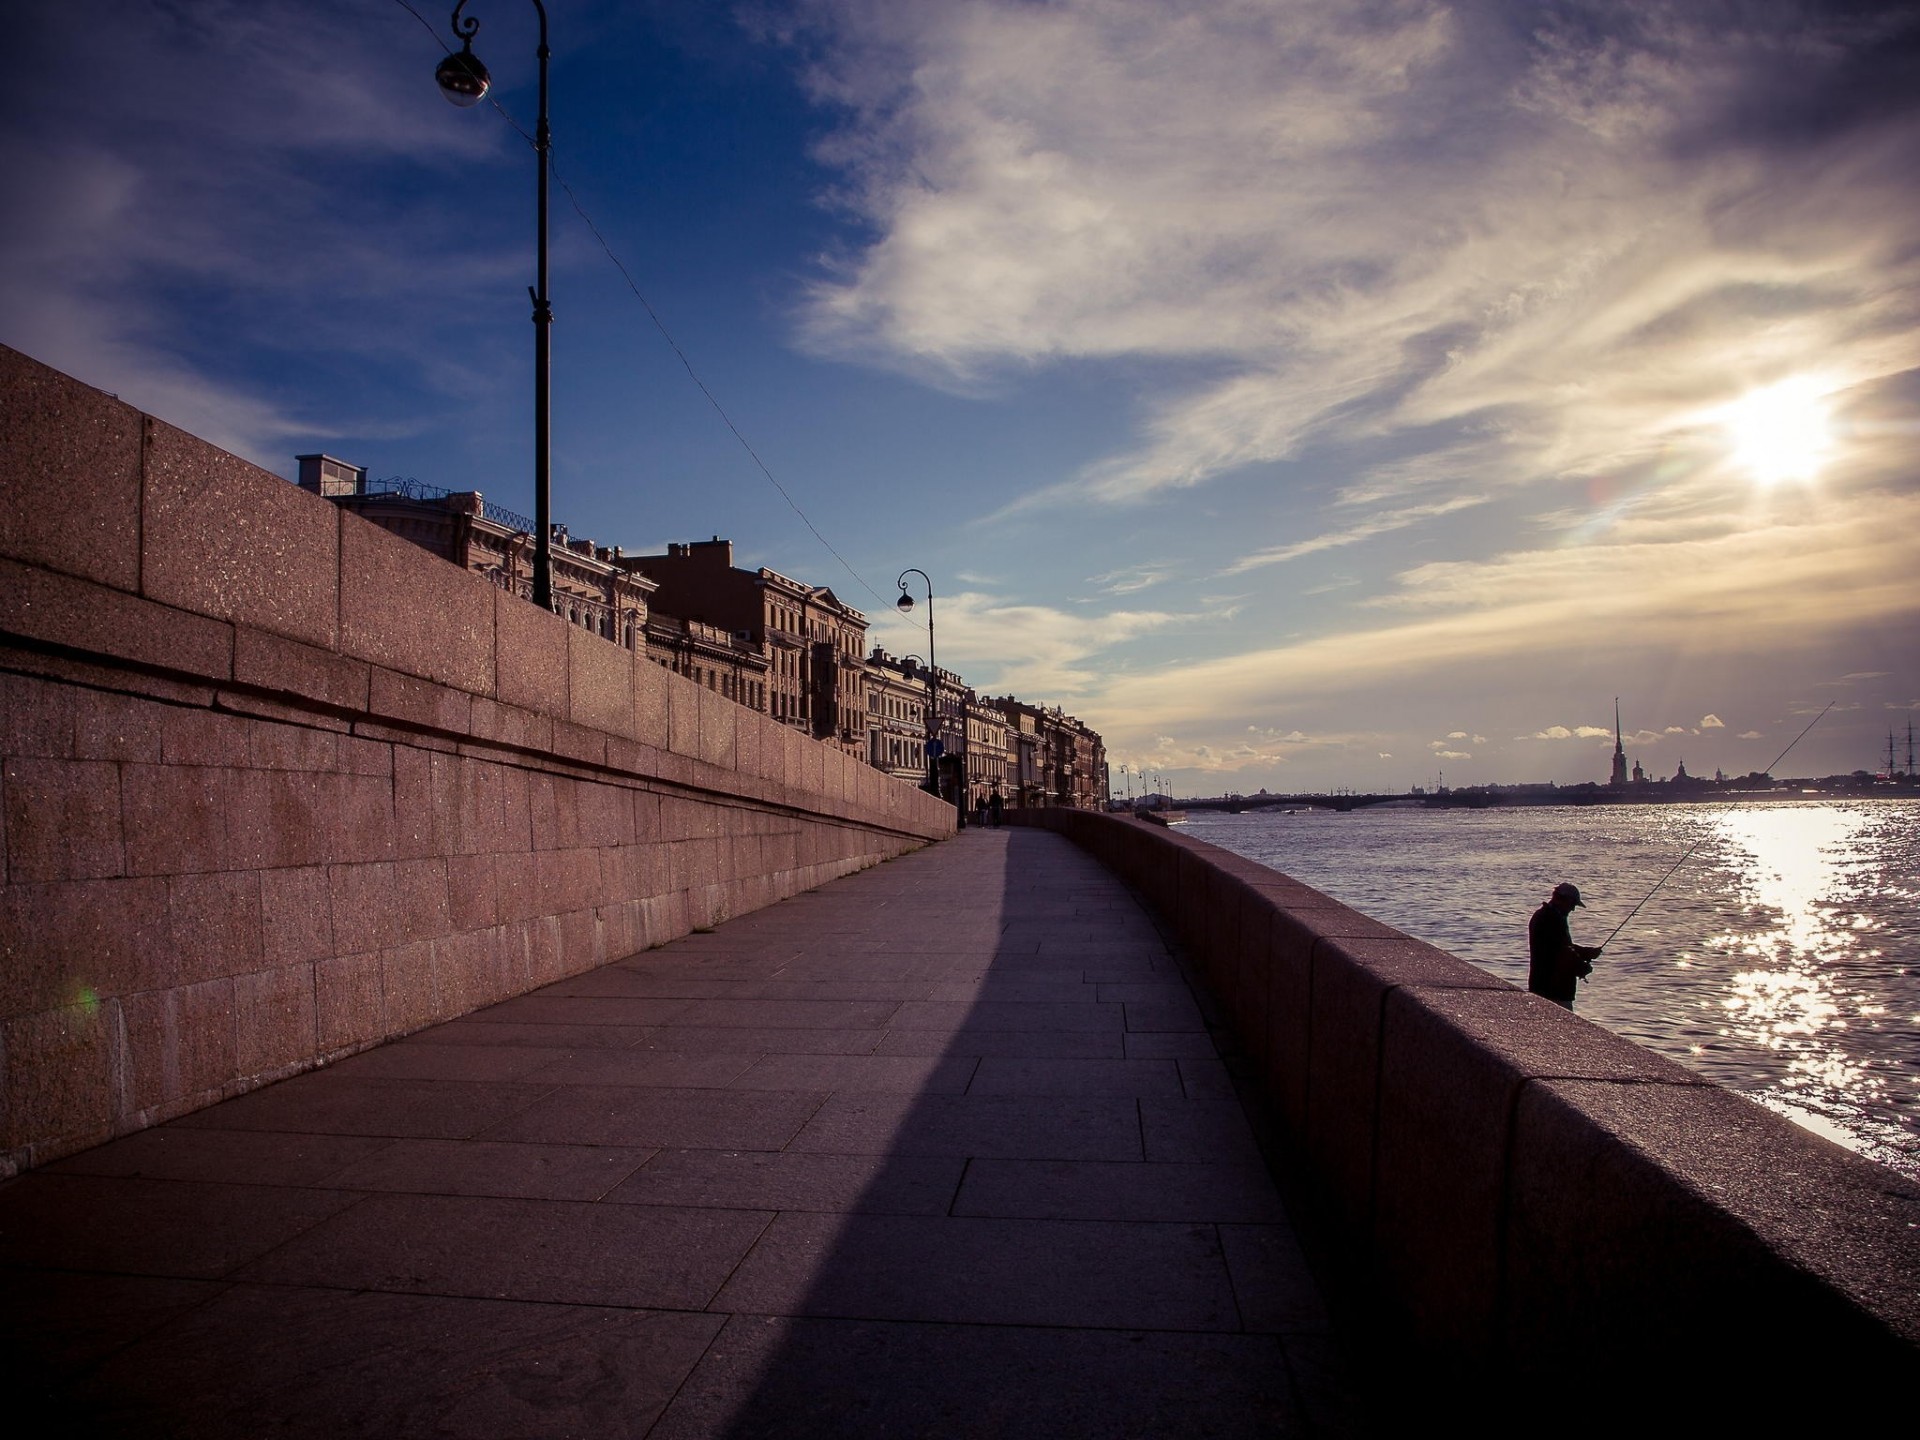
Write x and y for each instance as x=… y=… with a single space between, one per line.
x=1782 y=959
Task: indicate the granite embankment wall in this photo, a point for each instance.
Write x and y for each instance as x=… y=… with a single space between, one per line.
x=1525 y=1193
x=279 y=785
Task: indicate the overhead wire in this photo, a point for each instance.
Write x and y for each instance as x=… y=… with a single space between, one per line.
x=658 y=323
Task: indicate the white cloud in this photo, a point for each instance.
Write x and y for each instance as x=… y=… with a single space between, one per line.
x=1379 y=524
x=1563 y=732
x=1751 y=735
x=1129 y=580
x=1040 y=653
x=1712 y=722
x=1587 y=244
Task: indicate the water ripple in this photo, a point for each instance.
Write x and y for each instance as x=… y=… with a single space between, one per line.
x=1783 y=959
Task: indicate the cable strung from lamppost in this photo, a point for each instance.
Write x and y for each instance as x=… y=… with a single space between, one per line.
x=465 y=81
x=905 y=605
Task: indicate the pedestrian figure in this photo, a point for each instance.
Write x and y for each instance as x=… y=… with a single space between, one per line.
x=996 y=808
x=980 y=811
x=1554 y=963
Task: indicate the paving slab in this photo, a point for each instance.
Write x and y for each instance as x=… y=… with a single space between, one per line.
x=821 y=1379
x=1009 y=1075
x=288 y=1361
x=580 y=1254
x=1105 y=1190
x=1032 y=1044
x=541 y=1008
x=495 y=1033
x=1029 y=1127
x=656 y=1069
x=631 y=1115
x=450 y=1062
x=856 y=1074
x=795 y=1180
x=497 y=1168
x=140 y=1226
x=1102 y=1274
x=943 y=1148
x=322 y=1103
x=176 y=1152
x=758 y=1040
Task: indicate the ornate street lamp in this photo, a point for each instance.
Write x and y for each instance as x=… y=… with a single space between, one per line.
x=464 y=81
x=905 y=606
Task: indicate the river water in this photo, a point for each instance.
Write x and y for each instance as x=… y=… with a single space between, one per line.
x=1782 y=959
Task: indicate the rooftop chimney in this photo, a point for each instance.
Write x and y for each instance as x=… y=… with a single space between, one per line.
x=324 y=475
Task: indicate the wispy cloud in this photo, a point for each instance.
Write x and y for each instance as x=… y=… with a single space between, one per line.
x=1621 y=599
x=1597 y=235
x=1128 y=581
x=1367 y=529
x=1039 y=652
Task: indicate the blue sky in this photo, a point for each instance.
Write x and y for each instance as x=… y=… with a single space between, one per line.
x=1306 y=394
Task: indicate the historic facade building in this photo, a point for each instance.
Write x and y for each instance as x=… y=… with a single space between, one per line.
x=762 y=639
x=814 y=679
x=906 y=676
x=897 y=716
x=986 y=751
x=731 y=662
x=1052 y=757
x=590 y=588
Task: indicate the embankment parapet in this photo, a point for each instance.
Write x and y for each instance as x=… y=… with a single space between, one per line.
x=278 y=785
x=1530 y=1198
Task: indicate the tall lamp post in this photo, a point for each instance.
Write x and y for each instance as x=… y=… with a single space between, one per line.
x=905 y=606
x=464 y=81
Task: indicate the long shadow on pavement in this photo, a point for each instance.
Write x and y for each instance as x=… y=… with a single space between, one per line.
x=1067 y=1229
x=942 y=1148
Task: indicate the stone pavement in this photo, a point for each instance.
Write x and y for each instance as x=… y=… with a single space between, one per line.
x=942 y=1148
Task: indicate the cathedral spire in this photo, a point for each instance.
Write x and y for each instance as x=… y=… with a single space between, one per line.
x=1619 y=750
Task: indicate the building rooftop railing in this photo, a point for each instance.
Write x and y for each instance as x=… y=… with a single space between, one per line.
x=413 y=489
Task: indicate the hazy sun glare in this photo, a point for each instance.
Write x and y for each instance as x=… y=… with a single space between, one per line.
x=1780 y=432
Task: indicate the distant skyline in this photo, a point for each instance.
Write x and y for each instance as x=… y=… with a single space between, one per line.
x=1303 y=394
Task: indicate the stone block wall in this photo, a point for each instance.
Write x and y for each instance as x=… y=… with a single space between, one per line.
x=276 y=785
x=1536 y=1204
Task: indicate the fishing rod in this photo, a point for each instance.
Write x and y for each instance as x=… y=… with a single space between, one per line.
x=1704 y=838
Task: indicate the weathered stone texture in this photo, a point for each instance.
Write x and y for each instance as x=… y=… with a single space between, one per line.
x=283 y=785
x=402 y=609
x=224 y=538
x=69 y=475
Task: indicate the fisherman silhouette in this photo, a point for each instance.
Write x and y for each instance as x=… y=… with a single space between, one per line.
x=1554 y=963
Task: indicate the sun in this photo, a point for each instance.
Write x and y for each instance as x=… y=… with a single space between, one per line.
x=1781 y=432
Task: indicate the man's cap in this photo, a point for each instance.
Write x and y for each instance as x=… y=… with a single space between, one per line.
x=1568 y=893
